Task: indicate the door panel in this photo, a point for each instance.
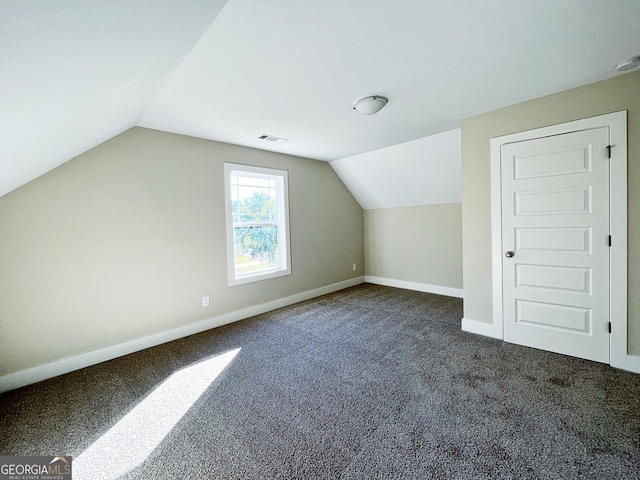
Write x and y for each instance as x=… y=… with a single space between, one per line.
x=553 y=316
x=554 y=163
x=574 y=279
x=576 y=239
x=555 y=220
x=554 y=201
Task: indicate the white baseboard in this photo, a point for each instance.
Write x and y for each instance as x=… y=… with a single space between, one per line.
x=623 y=361
x=69 y=364
x=630 y=363
x=481 y=328
x=419 y=287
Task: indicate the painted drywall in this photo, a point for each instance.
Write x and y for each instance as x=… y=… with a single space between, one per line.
x=419 y=244
x=421 y=172
x=620 y=93
x=124 y=240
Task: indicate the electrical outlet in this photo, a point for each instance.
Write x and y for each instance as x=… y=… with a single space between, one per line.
x=355 y=267
x=205 y=301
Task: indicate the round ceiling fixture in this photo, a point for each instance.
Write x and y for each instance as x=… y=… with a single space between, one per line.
x=628 y=64
x=370 y=104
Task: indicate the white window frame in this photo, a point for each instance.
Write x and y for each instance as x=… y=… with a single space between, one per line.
x=282 y=205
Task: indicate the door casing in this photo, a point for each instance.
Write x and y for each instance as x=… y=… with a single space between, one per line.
x=617 y=123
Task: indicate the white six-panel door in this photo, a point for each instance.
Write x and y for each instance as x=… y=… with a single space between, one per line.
x=555 y=238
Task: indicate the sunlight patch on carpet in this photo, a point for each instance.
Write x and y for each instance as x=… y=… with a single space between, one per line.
x=129 y=442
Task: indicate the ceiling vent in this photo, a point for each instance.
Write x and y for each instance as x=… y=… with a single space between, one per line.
x=273 y=138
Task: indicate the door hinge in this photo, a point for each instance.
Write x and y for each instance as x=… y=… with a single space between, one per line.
x=609 y=240
x=609 y=147
x=609 y=327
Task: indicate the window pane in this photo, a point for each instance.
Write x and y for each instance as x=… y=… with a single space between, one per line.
x=252 y=181
x=255 y=205
x=255 y=248
x=257 y=223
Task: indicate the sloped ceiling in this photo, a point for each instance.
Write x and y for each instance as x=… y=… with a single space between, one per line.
x=425 y=171
x=75 y=73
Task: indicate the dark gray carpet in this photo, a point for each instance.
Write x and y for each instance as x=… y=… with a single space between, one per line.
x=368 y=382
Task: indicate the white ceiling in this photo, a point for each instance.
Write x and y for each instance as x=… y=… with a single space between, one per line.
x=75 y=73
x=425 y=171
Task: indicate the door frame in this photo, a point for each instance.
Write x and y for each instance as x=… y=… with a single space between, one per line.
x=617 y=123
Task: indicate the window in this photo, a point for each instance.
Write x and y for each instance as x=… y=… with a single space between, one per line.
x=257 y=223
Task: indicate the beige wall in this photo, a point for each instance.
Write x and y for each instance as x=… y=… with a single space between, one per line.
x=619 y=93
x=124 y=240
x=420 y=244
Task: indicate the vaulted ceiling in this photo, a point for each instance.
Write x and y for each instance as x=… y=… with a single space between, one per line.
x=74 y=73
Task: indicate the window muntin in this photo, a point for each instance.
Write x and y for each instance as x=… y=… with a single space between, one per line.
x=257 y=223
